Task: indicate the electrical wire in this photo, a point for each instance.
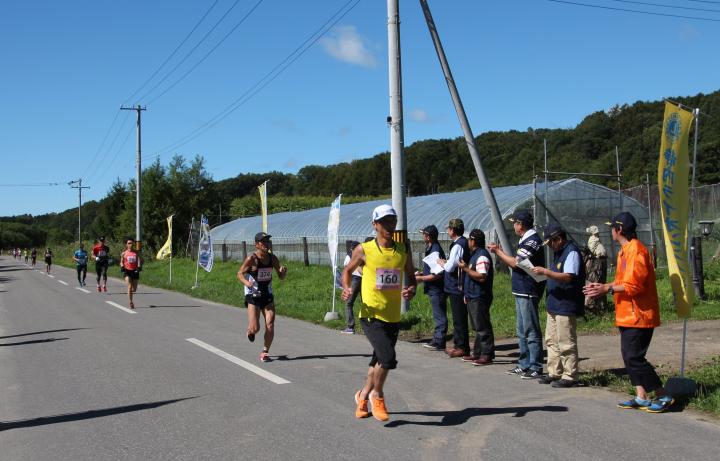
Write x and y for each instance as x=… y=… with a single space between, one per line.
x=45 y=184
x=266 y=79
x=662 y=5
x=177 y=48
x=207 y=55
x=108 y=167
x=189 y=53
x=97 y=152
x=634 y=11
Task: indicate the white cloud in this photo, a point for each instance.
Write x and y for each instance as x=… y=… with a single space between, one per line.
x=419 y=115
x=346 y=45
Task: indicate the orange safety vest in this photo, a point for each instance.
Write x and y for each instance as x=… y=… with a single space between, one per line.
x=637 y=306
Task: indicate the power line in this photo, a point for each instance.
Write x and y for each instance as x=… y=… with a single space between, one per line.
x=662 y=5
x=111 y=146
x=634 y=11
x=41 y=184
x=207 y=55
x=108 y=167
x=266 y=79
x=177 y=48
x=97 y=152
x=189 y=53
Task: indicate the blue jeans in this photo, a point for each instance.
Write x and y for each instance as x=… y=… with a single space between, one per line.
x=528 y=332
x=438 y=301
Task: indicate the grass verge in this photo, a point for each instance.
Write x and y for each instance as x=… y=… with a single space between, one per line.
x=706 y=376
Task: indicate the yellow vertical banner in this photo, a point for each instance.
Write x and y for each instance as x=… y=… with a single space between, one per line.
x=166 y=250
x=673 y=172
x=262 y=188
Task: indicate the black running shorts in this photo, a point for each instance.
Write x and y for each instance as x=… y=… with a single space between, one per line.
x=382 y=336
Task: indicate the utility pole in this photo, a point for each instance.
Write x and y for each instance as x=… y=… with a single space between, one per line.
x=395 y=122
x=79 y=187
x=469 y=137
x=138 y=189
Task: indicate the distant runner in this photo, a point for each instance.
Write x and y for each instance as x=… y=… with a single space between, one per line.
x=81 y=257
x=48 y=260
x=33 y=256
x=130 y=266
x=101 y=252
x=256 y=274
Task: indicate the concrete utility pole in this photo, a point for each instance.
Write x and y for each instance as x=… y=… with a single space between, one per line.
x=79 y=187
x=469 y=138
x=395 y=122
x=138 y=188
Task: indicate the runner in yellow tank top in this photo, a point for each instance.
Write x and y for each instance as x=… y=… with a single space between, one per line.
x=385 y=265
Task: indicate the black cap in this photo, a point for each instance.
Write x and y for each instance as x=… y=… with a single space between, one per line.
x=431 y=230
x=522 y=216
x=260 y=236
x=553 y=230
x=626 y=221
x=478 y=235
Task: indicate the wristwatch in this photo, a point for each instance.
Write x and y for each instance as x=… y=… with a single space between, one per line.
x=611 y=290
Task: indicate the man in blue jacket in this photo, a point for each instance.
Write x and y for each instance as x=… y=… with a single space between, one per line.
x=565 y=302
x=453 y=281
x=434 y=289
x=478 y=291
x=527 y=292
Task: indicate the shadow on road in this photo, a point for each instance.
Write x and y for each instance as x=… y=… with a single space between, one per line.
x=457 y=417
x=325 y=356
x=42 y=332
x=153 y=306
x=34 y=341
x=90 y=414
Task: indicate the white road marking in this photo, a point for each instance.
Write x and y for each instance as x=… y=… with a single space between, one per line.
x=122 y=308
x=64 y=283
x=51 y=276
x=82 y=289
x=248 y=366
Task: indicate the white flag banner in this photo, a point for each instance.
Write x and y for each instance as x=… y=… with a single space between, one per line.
x=206 y=253
x=333 y=227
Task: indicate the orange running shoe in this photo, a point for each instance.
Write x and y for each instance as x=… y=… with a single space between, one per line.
x=361 y=411
x=378 y=408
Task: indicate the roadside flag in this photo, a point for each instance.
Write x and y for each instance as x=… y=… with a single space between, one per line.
x=205 y=253
x=166 y=250
x=262 y=188
x=333 y=227
x=673 y=172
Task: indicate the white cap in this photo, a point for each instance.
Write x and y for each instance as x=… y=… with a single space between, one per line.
x=592 y=230
x=382 y=211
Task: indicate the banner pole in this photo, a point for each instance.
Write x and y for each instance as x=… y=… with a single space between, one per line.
x=197 y=266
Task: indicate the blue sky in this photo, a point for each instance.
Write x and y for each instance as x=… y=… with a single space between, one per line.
x=67 y=67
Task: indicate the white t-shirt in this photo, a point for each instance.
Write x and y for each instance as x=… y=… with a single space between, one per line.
x=357 y=272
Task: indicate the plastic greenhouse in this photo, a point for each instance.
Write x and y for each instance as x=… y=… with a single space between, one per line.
x=574 y=203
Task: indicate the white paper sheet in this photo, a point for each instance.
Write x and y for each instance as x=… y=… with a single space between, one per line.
x=527 y=266
x=432 y=261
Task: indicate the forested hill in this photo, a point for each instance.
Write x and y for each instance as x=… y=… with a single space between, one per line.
x=433 y=166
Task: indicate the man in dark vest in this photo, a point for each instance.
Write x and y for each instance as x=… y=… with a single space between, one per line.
x=478 y=297
x=527 y=292
x=565 y=302
x=454 y=277
x=434 y=289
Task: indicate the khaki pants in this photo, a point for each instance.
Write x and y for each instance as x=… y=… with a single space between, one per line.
x=561 y=343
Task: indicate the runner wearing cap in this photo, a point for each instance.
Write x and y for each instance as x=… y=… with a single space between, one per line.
x=101 y=253
x=130 y=265
x=637 y=313
x=256 y=275
x=385 y=264
x=81 y=257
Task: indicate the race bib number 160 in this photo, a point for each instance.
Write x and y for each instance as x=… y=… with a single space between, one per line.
x=387 y=279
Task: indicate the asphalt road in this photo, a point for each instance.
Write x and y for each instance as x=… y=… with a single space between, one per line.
x=81 y=379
